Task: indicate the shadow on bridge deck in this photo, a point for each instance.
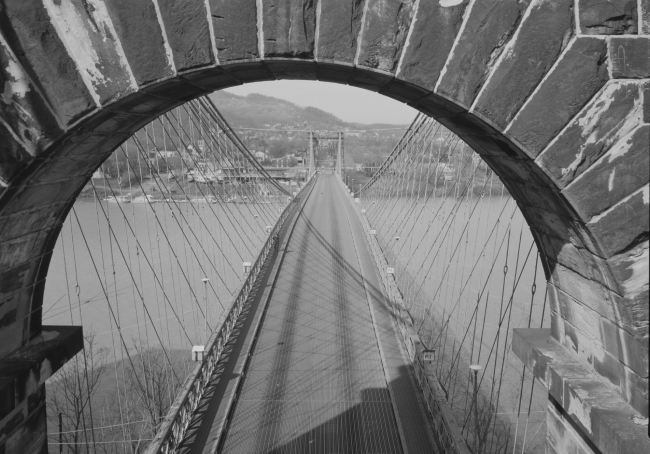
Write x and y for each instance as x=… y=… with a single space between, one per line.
x=326 y=373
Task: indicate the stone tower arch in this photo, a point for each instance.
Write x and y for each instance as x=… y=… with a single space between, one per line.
x=553 y=94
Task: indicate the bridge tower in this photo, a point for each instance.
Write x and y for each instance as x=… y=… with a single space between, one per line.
x=339 y=156
x=312 y=161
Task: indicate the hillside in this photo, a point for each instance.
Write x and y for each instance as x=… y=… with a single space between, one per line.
x=260 y=111
x=278 y=127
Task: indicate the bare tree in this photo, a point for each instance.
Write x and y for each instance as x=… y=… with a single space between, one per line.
x=70 y=393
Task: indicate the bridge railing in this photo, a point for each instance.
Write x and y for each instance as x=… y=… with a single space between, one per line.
x=464 y=271
x=172 y=431
x=448 y=433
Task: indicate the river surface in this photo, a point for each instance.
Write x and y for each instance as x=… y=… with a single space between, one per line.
x=140 y=267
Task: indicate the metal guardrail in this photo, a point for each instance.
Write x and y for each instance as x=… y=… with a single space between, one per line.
x=172 y=430
x=448 y=434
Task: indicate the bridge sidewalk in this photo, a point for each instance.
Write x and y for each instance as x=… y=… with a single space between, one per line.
x=408 y=403
x=209 y=421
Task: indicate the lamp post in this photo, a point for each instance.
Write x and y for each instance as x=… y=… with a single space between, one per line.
x=205 y=281
x=477 y=439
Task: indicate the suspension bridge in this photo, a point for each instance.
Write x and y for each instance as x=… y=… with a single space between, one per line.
x=483 y=290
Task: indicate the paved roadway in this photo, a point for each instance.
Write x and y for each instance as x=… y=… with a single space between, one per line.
x=326 y=373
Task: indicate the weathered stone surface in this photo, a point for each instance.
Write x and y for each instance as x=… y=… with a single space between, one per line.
x=188 y=32
x=404 y=91
x=31 y=434
x=339 y=26
x=384 y=33
x=561 y=437
x=490 y=26
x=211 y=78
x=235 y=29
x=623 y=225
x=438 y=107
x=13 y=156
x=370 y=80
x=608 y=17
x=27 y=369
x=254 y=71
x=435 y=27
x=33 y=39
x=578 y=260
x=623 y=170
x=14 y=251
x=595 y=410
x=645 y=17
x=563 y=229
x=542 y=36
x=606 y=120
x=630 y=57
x=92 y=42
x=574 y=289
x=631 y=270
x=289 y=28
x=22 y=108
x=293 y=69
x=43 y=196
x=141 y=36
x=579 y=74
x=22 y=223
x=337 y=73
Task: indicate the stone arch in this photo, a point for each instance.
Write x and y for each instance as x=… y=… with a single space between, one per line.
x=552 y=93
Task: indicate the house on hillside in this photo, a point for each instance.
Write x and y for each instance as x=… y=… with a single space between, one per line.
x=261 y=155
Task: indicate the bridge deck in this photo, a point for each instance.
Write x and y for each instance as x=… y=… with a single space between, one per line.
x=327 y=374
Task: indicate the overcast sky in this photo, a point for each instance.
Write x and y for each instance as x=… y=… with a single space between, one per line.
x=347 y=103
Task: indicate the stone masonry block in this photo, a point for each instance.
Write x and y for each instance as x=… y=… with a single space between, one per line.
x=293 y=69
x=434 y=30
x=93 y=44
x=289 y=28
x=44 y=196
x=211 y=78
x=581 y=261
x=630 y=57
x=29 y=32
x=489 y=27
x=340 y=24
x=141 y=36
x=404 y=91
x=23 y=110
x=188 y=33
x=575 y=289
x=608 y=17
x=622 y=225
x=13 y=156
x=15 y=251
x=596 y=412
x=645 y=17
x=577 y=77
x=384 y=35
x=622 y=171
x=542 y=36
x=254 y=71
x=24 y=222
x=370 y=79
x=338 y=73
x=630 y=269
x=561 y=437
x=235 y=29
x=614 y=113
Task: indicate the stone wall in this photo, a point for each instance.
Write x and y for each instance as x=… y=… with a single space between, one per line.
x=554 y=94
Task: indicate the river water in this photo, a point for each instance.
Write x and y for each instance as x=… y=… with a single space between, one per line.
x=140 y=267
